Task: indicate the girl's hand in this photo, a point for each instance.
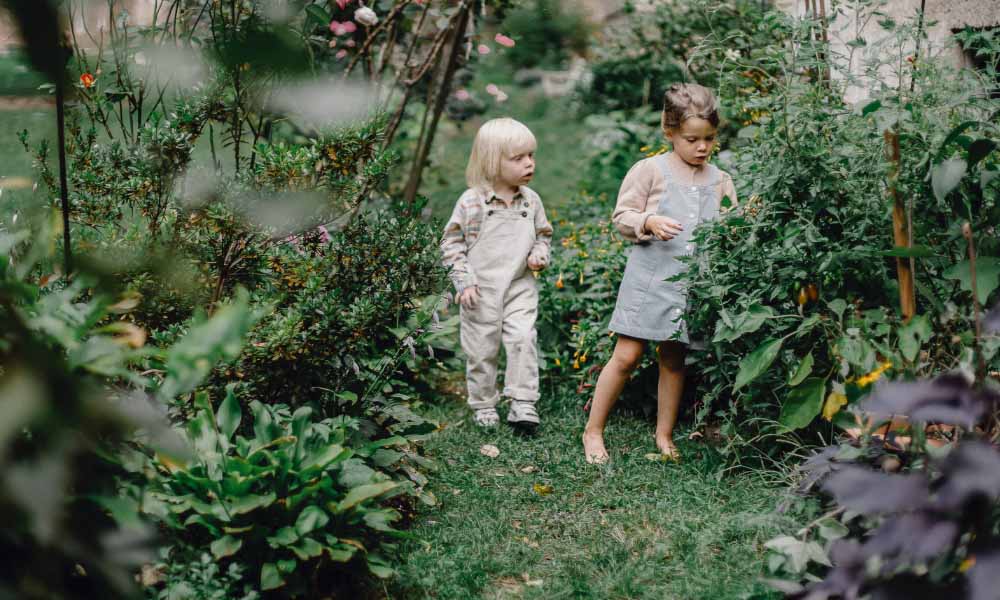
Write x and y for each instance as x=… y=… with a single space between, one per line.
x=469 y=297
x=535 y=264
x=663 y=228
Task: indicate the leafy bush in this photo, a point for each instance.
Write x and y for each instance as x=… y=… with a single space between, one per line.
x=797 y=282
x=672 y=43
x=337 y=304
x=546 y=34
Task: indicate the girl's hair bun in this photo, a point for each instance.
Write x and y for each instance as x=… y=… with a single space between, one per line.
x=683 y=101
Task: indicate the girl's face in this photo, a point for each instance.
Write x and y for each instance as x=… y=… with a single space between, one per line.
x=517 y=169
x=693 y=141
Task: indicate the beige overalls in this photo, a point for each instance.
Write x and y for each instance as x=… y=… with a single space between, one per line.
x=507 y=308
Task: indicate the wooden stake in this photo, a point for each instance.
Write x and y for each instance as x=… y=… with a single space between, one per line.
x=907 y=298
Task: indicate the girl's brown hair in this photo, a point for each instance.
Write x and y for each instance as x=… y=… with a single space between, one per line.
x=683 y=101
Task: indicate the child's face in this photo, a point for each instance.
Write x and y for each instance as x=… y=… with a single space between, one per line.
x=517 y=169
x=693 y=141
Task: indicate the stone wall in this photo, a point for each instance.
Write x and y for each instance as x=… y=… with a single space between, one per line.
x=89 y=16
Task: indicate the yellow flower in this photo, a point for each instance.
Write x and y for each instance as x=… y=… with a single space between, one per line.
x=558 y=364
x=582 y=254
x=967 y=564
x=583 y=358
x=870 y=378
x=834 y=402
x=581 y=277
x=644 y=149
x=559 y=283
x=576 y=364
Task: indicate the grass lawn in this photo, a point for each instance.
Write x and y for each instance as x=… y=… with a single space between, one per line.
x=538 y=522
x=16 y=172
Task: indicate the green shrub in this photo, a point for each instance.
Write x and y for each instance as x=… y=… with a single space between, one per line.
x=295 y=496
x=546 y=35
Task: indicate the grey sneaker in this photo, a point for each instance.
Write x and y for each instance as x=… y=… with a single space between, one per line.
x=486 y=417
x=523 y=415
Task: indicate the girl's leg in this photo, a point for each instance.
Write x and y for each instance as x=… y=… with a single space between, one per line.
x=627 y=354
x=668 y=394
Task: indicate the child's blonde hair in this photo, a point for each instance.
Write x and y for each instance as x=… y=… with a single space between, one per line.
x=496 y=139
x=683 y=101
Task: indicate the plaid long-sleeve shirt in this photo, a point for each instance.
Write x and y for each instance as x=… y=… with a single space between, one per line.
x=463 y=228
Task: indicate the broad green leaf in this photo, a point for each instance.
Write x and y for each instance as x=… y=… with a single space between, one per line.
x=225 y=546
x=915 y=251
x=307 y=548
x=324 y=456
x=229 y=415
x=838 y=306
x=743 y=323
x=365 y=492
x=286 y=536
x=318 y=15
x=240 y=506
x=381 y=520
x=832 y=529
x=987 y=276
x=310 y=519
x=270 y=578
x=754 y=364
x=287 y=566
x=912 y=335
x=946 y=176
x=802 y=371
x=803 y=403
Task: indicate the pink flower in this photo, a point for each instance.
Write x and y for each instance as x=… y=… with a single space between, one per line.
x=338 y=28
x=350 y=43
x=341 y=54
x=324 y=234
x=483 y=49
x=492 y=89
x=343 y=3
x=462 y=95
x=366 y=16
x=504 y=40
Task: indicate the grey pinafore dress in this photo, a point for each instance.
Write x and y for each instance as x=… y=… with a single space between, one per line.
x=649 y=307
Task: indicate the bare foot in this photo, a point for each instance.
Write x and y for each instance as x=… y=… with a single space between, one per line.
x=593 y=448
x=667 y=448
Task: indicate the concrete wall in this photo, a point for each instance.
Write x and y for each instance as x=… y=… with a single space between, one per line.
x=942 y=19
x=89 y=15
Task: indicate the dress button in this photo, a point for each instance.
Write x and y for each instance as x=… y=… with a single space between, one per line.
x=524 y=213
x=489 y=213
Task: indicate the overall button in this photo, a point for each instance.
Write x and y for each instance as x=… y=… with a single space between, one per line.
x=525 y=205
x=524 y=213
x=489 y=213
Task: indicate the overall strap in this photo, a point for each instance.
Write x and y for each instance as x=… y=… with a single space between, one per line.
x=665 y=167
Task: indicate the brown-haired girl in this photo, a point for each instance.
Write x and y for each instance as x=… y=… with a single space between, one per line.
x=661 y=201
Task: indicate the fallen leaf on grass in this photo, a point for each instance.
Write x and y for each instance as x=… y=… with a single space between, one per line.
x=542 y=489
x=530 y=581
x=529 y=469
x=659 y=457
x=529 y=542
x=489 y=450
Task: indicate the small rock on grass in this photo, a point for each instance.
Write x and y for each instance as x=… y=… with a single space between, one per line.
x=489 y=450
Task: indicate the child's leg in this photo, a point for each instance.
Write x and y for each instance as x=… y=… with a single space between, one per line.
x=521 y=344
x=480 y=336
x=668 y=394
x=624 y=360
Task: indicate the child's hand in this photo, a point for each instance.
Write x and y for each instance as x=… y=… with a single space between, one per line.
x=663 y=228
x=469 y=297
x=535 y=264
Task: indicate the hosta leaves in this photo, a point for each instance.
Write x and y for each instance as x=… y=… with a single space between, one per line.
x=381 y=520
x=246 y=504
x=270 y=578
x=286 y=536
x=307 y=548
x=229 y=415
x=310 y=519
x=803 y=403
x=758 y=361
x=365 y=492
x=987 y=276
x=225 y=546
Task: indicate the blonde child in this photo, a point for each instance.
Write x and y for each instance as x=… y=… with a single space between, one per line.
x=661 y=201
x=496 y=237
